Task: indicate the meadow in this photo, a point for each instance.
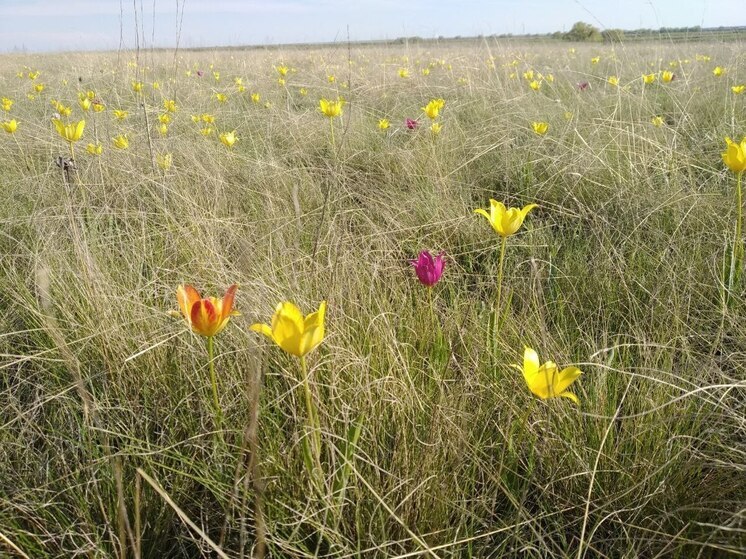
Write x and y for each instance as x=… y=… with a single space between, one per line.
x=403 y=430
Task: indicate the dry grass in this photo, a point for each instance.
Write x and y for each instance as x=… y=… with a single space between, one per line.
x=618 y=271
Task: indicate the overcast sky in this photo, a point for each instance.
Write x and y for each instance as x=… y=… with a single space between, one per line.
x=44 y=25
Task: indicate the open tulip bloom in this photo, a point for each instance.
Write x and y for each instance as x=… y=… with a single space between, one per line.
x=545 y=380
x=207 y=317
x=296 y=334
x=735 y=158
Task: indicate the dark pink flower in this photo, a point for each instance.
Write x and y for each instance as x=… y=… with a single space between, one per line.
x=411 y=123
x=428 y=268
x=582 y=86
x=200 y=73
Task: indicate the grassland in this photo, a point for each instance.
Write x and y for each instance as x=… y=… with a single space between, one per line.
x=109 y=443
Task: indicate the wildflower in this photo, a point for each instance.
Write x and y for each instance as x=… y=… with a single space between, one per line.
x=119 y=114
x=549 y=78
x=734 y=155
x=169 y=105
x=648 y=78
x=544 y=380
x=94 y=149
x=718 y=71
x=165 y=118
x=383 y=124
x=429 y=269
x=33 y=75
x=6 y=104
x=331 y=79
x=528 y=75
x=228 y=138
x=238 y=81
x=206 y=317
x=137 y=87
x=206 y=131
x=582 y=86
x=221 y=97
x=535 y=85
x=425 y=71
x=613 y=80
x=435 y=128
x=163 y=129
x=62 y=109
x=71 y=132
x=121 y=141
x=215 y=75
x=281 y=82
x=505 y=222
x=303 y=91
x=294 y=333
x=10 y=126
x=432 y=109
x=255 y=97
x=331 y=109
x=540 y=127
x=658 y=121
x=85 y=103
x=595 y=59
x=240 y=88
x=208 y=118
x=156 y=85
x=164 y=161
x=282 y=70
x=738 y=89
x=39 y=87
x=667 y=77
x=98 y=106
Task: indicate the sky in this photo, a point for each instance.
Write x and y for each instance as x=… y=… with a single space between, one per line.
x=60 y=25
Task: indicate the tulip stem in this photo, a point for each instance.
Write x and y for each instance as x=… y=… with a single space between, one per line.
x=312 y=417
x=214 y=381
x=503 y=244
x=737 y=259
x=331 y=128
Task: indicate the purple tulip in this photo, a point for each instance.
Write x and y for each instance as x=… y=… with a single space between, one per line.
x=411 y=123
x=582 y=86
x=200 y=73
x=427 y=268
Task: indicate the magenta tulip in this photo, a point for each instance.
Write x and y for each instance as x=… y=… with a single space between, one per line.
x=411 y=123
x=428 y=268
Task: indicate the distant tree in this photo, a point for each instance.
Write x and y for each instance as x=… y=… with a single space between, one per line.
x=582 y=31
x=612 y=35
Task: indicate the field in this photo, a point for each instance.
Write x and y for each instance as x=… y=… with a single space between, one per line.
x=406 y=432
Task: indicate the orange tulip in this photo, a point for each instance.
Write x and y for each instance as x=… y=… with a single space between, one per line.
x=207 y=317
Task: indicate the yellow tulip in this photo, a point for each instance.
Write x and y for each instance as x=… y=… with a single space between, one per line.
x=403 y=73
x=331 y=79
x=613 y=80
x=540 y=127
x=165 y=118
x=544 y=380
x=505 y=222
x=98 y=107
x=121 y=141
x=163 y=129
x=436 y=127
x=736 y=89
x=294 y=333
x=169 y=105
x=648 y=78
x=120 y=115
x=156 y=85
x=255 y=97
x=528 y=75
x=735 y=155
x=667 y=76
x=228 y=138
x=39 y=87
x=535 y=85
x=432 y=109
x=595 y=59
x=164 y=161
x=10 y=126
x=94 y=149
x=383 y=124
x=331 y=109
x=69 y=132
x=281 y=82
x=718 y=71
x=85 y=103
x=658 y=121
x=206 y=131
x=6 y=104
x=221 y=97
x=303 y=91
x=282 y=70
x=137 y=87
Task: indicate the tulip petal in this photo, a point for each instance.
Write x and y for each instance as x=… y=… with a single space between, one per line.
x=566 y=378
x=204 y=318
x=226 y=306
x=263 y=329
x=530 y=363
x=571 y=396
x=480 y=211
x=186 y=295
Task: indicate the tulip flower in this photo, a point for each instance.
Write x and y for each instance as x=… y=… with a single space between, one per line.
x=165 y=118
x=255 y=98
x=120 y=115
x=648 y=78
x=505 y=222
x=735 y=158
x=121 y=141
x=383 y=124
x=613 y=80
x=595 y=59
x=294 y=333
x=544 y=380
x=738 y=89
x=69 y=132
x=299 y=335
x=170 y=105
x=429 y=269
x=6 y=104
x=432 y=109
x=528 y=75
x=667 y=77
x=535 y=85
x=411 y=123
x=98 y=106
x=221 y=97
x=540 y=127
x=718 y=71
x=94 y=149
x=137 y=87
x=10 y=126
x=330 y=109
x=228 y=139
x=282 y=70
x=207 y=317
x=435 y=128
x=658 y=121
x=735 y=155
x=303 y=91
x=403 y=73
